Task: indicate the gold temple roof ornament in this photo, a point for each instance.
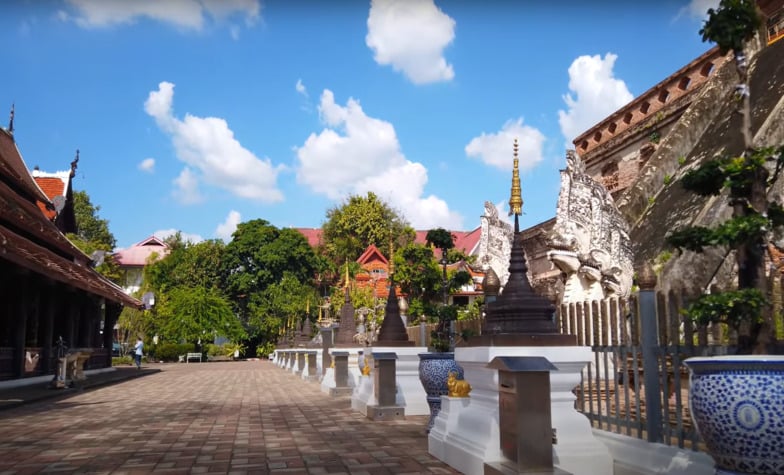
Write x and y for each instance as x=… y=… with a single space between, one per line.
x=516 y=200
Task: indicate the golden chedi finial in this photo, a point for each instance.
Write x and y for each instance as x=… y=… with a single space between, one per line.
x=319 y=319
x=391 y=258
x=516 y=201
x=348 y=282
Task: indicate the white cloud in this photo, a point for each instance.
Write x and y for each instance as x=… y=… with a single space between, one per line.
x=496 y=149
x=356 y=154
x=597 y=94
x=186 y=188
x=698 y=9
x=187 y=237
x=212 y=153
x=411 y=37
x=147 y=165
x=227 y=228
x=301 y=88
x=185 y=14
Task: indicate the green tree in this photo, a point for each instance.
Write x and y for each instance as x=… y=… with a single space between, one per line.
x=197 y=313
x=417 y=272
x=186 y=265
x=90 y=227
x=93 y=236
x=280 y=304
x=259 y=256
x=359 y=222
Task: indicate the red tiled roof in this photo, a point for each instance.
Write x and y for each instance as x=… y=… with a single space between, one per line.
x=313 y=235
x=52 y=186
x=465 y=241
x=372 y=253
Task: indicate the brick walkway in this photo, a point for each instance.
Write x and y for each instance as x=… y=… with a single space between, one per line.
x=234 y=417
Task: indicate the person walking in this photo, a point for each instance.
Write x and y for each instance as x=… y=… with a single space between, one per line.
x=138 y=352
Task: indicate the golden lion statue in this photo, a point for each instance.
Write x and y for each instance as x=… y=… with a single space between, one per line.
x=457 y=387
x=366 y=369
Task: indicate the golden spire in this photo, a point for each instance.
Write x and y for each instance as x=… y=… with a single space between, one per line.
x=391 y=257
x=307 y=308
x=516 y=201
x=319 y=314
x=348 y=283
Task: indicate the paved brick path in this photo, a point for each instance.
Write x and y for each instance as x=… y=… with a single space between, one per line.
x=234 y=417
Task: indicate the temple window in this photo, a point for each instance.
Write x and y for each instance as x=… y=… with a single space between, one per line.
x=612 y=128
x=597 y=137
x=663 y=96
x=706 y=69
x=584 y=145
x=683 y=84
x=627 y=119
x=644 y=107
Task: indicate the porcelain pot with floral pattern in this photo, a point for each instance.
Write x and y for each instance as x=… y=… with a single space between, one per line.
x=736 y=403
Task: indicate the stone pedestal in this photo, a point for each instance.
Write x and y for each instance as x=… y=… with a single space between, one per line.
x=410 y=393
x=469 y=436
x=299 y=362
x=338 y=381
x=310 y=370
x=384 y=389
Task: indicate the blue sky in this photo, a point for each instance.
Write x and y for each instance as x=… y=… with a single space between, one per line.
x=194 y=115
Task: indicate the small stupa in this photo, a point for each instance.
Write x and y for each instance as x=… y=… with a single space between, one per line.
x=392 y=332
x=519 y=316
x=348 y=325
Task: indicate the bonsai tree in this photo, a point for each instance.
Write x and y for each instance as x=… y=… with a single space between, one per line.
x=441 y=337
x=745 y=179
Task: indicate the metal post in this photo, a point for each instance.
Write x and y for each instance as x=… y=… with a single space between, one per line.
x=650 y=361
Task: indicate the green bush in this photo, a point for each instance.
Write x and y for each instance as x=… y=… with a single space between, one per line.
x=214 y=350
x=263 y=351
x=172 y=351
x=122 y=360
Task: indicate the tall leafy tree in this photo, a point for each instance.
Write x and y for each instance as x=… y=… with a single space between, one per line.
x=281 y=304
x=90 y=226
x=93 y=236
x=187 y=265
x=359 y=222
x=198 y=313
x=259 y=255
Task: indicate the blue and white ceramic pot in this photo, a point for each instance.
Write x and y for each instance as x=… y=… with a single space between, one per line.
x=434 y=369
x=736 y=404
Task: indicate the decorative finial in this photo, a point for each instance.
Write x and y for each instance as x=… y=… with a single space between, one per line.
x=11 y=120
x=516 y=201
x=348 y=283
x=391 y=258
x=307 y=308
x=319 y=314
x=73 y=164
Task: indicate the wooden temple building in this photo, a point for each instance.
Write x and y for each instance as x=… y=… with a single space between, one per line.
x=48 y=287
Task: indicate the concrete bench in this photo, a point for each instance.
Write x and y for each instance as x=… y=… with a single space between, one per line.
x=190 y=356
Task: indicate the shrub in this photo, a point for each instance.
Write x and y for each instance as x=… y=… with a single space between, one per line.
x=172 y=351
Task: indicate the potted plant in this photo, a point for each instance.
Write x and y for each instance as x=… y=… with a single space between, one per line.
x=734 y=400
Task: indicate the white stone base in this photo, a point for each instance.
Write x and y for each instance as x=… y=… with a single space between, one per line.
x=364 y=395
x=328 y=381
x=308 y=373
x=469 y=436
x=410 y=393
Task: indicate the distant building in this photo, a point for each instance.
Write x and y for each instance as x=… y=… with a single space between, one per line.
x=133 y=259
